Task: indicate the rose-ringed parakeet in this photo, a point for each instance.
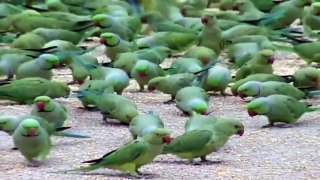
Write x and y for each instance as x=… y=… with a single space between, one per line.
x=204 y=54
x=39 y=67
x=201 y=142
x=192 y=98
x=131 y=156
x=278 y=108
x=51 y=110
x=26 y=90
x=32 y=141
x=144 y=70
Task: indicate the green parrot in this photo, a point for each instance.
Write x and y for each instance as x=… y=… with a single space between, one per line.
x=308 y=51
x=204 y=54
x=171 y=84
x=7 y=9
x=216 y=79
x=32 y=141
x=311 y=21
x=8 y=124
x=131 y=156
x=39 y=67
x=225 y=4
x=260 y=63
x=116 y=25
x=25 y=90
x=66 y=16
x=116 y=77
x=211 y=35
x=112 y=105
x=115 y=45
x=202 y=142
x=61 y=34
x=144 y=123
x=264 y=89
x=49 y=109
x=176 y=41
x=278 y=108
x=9 y=64
x=261 y=77
x=284 y=14
x=62 y=45
x=94 y=85
x=308 y=77
x=201 y=122
x=144 y=70
x=192 y=98
x=158 y=23
x=28 y=41
x=186 y=65
x=247 y=10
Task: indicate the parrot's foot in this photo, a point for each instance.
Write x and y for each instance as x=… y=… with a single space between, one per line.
x=169 y=102
x=14 y=148
x=89 y=108
x=203 y=159
x=34 y=163
x=192 y=162
x=268 y=126
x=285 y=126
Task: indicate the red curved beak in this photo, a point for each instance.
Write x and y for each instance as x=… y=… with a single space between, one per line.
x=167 y=139
x=242 y=96
x=234 y=92
x=240 y=132
x=32 y=132
x=41 y=105
x=103 y=41
x=204 y=20
x=271 y=59
x=151 y=88
x=252 y=113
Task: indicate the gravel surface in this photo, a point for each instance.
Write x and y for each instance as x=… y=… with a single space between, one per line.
x=274 y=153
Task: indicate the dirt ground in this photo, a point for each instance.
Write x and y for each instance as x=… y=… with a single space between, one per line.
x=274 y=153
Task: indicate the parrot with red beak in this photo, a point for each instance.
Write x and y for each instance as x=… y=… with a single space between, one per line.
x=201 y=141
x=278 y=108
x=46 y=108
x=32 y=141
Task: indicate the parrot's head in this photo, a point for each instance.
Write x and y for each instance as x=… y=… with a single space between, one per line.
x=29 y=128
x=250 y=88
x=229 y=126
x=142 y=67
x=48 y=61
x=60 y=89
x=9 y=123
x=259 y=106
x=267 y=54
x=154 y=83
x=43 y=103
x=316 y=8
x=158 y=136
x=109 y=39
x=102 y=20
x=199 y=106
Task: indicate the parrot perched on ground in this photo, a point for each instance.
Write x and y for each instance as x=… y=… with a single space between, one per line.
x=260 y=63
x=144 y=70
x=131 y=156
x=211 y=35
x=216 y=79
x=204 y=54
x=94 y=85
x=264 y=89
x=278 y=108
x=192 y=98
x=176 y=41
x=61 y=34
x=186 y=65
x=51 y=110
x=311 y=20
x=247 y=10
x=32 y=141
x=116 y=77
x=115 y=45
x=9 y=64
x=261 y=77
x=171 y=84
x=308 y=77
x=112 y=105
x=26 y=90
x=198 y=121
x=39 y=67
x=144 y=123
x=201 y=142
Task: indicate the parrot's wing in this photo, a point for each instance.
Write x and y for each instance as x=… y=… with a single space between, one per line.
x=291 y=104
x=125 y=154
x=190 y=141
